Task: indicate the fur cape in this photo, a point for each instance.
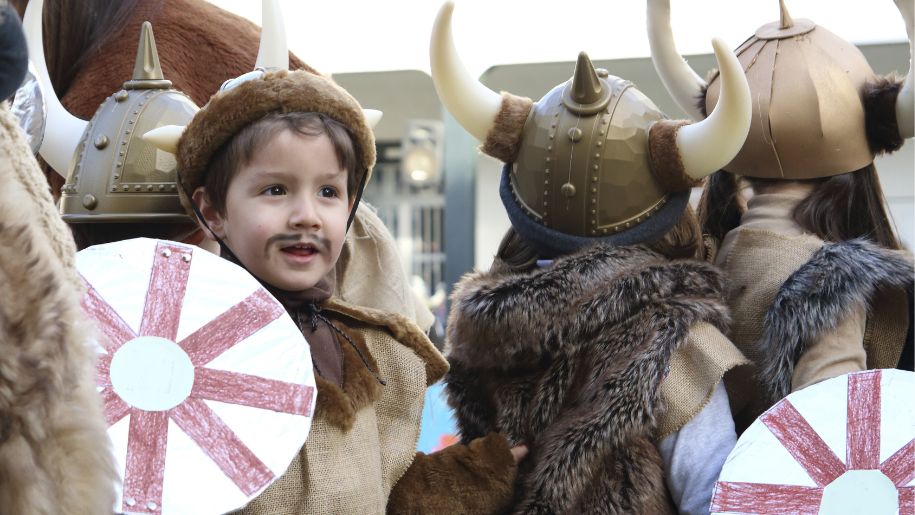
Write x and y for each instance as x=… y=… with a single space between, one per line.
x=54 y=449
x=824 y=290
x=568 y=360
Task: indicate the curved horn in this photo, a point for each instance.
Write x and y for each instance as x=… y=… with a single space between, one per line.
x=63 y=129
x=273 y=53
x=372 y=117
x=165 y=138
x=707 y=146
x=905 y=102
x=683 y=84
x=471 y=103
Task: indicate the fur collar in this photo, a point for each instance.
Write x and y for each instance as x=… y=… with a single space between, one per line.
x=361 y=385
x=837 y=277
x=599 y=286
x=339 y=405
x=569 y=360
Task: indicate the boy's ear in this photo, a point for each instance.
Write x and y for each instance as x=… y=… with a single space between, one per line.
x=210 y=214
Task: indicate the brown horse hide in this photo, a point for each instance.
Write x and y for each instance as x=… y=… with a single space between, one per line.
x=199 y=44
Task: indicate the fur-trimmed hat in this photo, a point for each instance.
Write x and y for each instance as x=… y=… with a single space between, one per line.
x=231 y=110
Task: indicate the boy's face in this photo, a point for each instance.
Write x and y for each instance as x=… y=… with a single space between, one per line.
x=286 y=211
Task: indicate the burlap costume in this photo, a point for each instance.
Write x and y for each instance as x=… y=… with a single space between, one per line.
x=360 y=455
x=54 y=449
x=868 y=333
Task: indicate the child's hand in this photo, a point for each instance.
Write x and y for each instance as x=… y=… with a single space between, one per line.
x=519 y=452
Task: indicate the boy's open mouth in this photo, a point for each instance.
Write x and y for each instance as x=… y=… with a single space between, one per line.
x=300 y=249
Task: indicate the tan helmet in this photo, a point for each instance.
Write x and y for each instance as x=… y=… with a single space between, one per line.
x=113 y=175
x=813 y=107
x=117 y=176
x=594 y=159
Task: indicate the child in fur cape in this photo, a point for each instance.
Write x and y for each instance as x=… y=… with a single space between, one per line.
x=595 y=337
x=55 y=455
x=272 y=167
x=820 y=285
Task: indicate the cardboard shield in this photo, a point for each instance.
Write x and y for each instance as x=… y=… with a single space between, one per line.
x=207 y=383
x=841 y=446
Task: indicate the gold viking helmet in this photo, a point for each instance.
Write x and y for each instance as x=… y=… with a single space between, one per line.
x=815 y=97
x=112 y=174
x=594 y=159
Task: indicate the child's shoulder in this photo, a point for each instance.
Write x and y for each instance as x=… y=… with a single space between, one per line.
x=395 y=329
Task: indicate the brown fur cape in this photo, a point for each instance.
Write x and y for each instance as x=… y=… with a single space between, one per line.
x=54 y=450
x=569 y=359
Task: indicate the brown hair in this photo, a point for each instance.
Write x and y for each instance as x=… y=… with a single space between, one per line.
x=841 y=207
x=75 y=29
x=682 y=241
x=239 y=150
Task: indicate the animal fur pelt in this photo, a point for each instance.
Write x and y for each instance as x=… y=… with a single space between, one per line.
x=837 y=277
x=54 y=450
x=568 y=360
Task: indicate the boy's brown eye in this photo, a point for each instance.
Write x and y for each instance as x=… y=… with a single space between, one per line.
x=328 y=191
x=275 y=190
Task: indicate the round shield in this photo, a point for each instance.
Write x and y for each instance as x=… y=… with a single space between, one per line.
x=841 y=446
x=207 y=383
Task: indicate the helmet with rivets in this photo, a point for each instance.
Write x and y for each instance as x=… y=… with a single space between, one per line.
x=582 y=166
x=115 y=175
x=594 y=160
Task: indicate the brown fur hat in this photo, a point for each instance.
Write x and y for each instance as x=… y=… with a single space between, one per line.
x=229 y=111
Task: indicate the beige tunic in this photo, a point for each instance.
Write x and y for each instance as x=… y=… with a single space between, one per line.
x=353 y=469
x=759 y=256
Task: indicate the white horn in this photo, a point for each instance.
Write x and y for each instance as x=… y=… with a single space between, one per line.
x=905 y=102
x=63 y=130
x=273 y=53
x=471 y=103
x=707 y=146
x=372 y=117
x=683 y=84
x=165 y=138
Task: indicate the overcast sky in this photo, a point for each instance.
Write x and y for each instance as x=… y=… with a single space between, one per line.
x=364 y=35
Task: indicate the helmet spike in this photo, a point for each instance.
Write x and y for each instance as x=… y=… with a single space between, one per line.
x=147 y=73
x=785 y=20
x=586 y=87
x=147 y=65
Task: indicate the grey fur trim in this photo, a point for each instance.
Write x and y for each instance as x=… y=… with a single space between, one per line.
x=837 y=277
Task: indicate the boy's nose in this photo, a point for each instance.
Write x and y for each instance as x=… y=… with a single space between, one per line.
x=304 y=216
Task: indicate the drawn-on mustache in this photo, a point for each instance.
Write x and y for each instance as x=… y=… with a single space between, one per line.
x=321 y=244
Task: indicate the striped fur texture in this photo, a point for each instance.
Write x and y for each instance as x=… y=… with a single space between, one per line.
x=837 y=277
x=568 y=360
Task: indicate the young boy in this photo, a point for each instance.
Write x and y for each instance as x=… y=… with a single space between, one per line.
x=273 y=168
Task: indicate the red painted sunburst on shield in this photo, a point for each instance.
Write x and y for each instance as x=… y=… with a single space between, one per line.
x=819 y=461
x=148 y=429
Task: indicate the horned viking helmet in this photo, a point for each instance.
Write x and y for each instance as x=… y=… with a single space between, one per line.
x=817 y=105
x=594 y=159
x=113 y=175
